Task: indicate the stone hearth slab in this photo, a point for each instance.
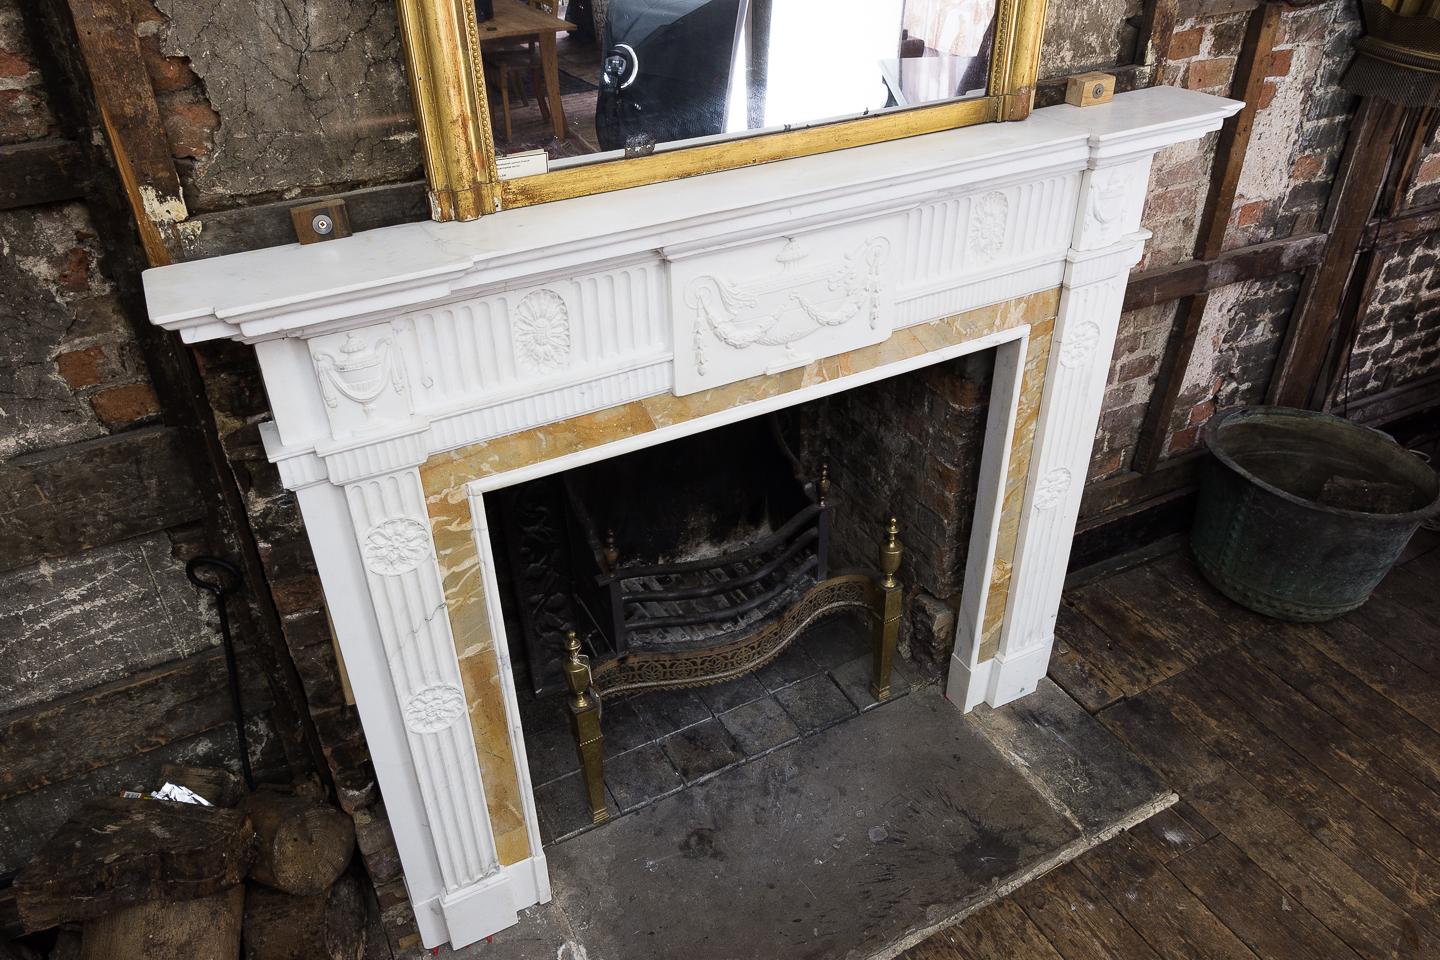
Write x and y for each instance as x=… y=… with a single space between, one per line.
x=852 y=843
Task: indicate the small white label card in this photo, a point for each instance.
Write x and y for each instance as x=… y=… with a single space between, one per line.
x=527 y=163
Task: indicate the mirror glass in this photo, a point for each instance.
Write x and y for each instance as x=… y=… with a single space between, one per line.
x=585 y=80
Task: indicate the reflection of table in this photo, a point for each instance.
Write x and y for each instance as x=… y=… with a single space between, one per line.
x=916 y=80
x=516 y=20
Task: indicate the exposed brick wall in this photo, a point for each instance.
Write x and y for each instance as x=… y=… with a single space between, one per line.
x=1234 y=355
x=24 y=109
x=1424 y=188
x=1295 y=146
x=1300 y=131
x=74 y=370
x=279 y=100
x=1139 y=344
x=1088 y=36
x=1399 y=338
x=236 y=394
x=72 y=374
x=909 y=446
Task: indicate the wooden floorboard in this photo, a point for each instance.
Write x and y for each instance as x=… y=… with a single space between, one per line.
x=1307 y=759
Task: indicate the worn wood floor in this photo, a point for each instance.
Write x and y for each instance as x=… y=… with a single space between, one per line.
x=1307 y=759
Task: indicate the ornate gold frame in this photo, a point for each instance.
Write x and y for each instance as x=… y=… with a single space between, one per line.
x=442 y=57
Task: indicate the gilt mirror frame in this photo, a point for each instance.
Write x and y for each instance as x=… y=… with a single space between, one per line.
x=441 y=41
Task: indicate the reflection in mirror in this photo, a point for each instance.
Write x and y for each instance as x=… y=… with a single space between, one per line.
x=600 y=79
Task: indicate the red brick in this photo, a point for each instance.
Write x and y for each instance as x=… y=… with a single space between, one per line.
x=14 y=65
x=1209 y=74
x=122 y=406
x=1306 y=167
x=1134 y=369
x=1278 y=63
x=1428 y=172
x=1172 y=202
x=81 y=368
x=168 y=74
x=1250 y=213
x=190 y=125
x=74 y=272
x=1267 y=95
x=1202 y=412
x=1186 y=43
x=1185 y=440
x=1112 y=463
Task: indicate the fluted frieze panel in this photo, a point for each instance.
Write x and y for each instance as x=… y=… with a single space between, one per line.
x=398 y=554
x=467 y=351
x=993 y=231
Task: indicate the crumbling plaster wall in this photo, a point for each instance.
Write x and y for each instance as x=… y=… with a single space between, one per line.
x=280 y=99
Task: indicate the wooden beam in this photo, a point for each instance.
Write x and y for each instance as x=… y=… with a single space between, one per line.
x=85 y=495
x=1415 y=225
x=269 y=225
x=1129 y=77
x=1299 y=379
x=141 y=713
x=1124 y=490
x=110 y=47
x=1258 y=261
x=46 y=171
x=1416 y=396
x=1156 y=30
x=1272 y=258
x=1230 y=149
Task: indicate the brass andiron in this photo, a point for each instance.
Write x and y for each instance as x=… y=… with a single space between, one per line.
x=880 y=598
x=585 y=724
x=887 y=622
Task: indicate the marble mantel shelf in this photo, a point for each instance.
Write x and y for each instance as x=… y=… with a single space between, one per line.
x=290 y=289
x=414 y=368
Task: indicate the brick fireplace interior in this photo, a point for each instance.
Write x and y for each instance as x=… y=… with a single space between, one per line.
x=907 y=447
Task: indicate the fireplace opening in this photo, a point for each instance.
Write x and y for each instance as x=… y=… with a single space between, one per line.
x=727 y=588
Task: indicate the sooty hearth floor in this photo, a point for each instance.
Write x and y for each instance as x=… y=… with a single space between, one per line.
x=852 y=842
x=660 y=744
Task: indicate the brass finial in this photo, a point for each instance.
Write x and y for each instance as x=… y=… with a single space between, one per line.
x=822 y=486
x=890 y=553
x=577 y=671
x=612 y=553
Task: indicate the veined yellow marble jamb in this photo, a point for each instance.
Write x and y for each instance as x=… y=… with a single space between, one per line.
x=453 y=531
x=445 y=477
x=1017 y=477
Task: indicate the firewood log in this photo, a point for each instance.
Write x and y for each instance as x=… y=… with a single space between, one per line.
x=323 y=926
x=114 y=853
x=207 y=928
x=303 y=845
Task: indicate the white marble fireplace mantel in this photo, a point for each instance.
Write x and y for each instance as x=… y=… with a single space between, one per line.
x=411 y=369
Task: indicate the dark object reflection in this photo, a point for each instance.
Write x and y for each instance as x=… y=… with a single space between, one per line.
x=666 y=69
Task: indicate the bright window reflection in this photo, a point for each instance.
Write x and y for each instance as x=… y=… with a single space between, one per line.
x=601 y=77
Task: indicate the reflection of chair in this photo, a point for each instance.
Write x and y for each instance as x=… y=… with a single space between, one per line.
x=508 y=67
x=506 y=64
